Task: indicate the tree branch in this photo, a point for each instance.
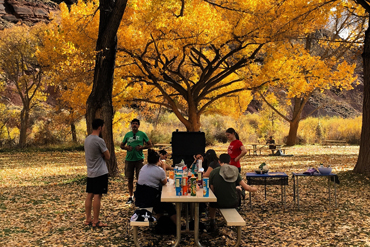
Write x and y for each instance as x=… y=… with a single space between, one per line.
x=273 y=108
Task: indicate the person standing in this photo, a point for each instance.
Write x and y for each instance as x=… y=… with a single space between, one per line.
x=97 y=172
x=134 y=142
x=236 y=148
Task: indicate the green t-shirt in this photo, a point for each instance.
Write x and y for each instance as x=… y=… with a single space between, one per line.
x=224 y=191
x=140 y=138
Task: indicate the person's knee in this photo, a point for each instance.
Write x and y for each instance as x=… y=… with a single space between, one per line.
x=98 y=196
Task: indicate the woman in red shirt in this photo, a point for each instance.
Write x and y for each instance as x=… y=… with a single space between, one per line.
x=236 y=149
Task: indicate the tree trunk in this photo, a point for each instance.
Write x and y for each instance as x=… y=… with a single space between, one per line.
x=99 y=103
x=293 y=131
x=194 y=118
x=74 y=134
x=296 y=118
x=363 y=161
x=25 y=113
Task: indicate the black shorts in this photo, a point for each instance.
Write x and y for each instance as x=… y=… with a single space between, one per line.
x=98 y=185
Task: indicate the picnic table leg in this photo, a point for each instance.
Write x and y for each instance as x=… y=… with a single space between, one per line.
x=329 y=188
x=135 y=237
x=335 y=192
x=196 y=225
x=284 y=196
x=294 y=189
x=297 y=193
x=187 y=216
x=178 y=224
x=265 y=188
x=239 y=236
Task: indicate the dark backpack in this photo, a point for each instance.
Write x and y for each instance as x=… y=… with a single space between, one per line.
x=146 y=196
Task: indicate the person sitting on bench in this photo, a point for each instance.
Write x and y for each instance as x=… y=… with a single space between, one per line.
x=149 y=187
x=271 y=142
x=224 y=181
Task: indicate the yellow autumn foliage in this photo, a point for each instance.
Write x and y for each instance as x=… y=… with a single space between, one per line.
x=194 y=57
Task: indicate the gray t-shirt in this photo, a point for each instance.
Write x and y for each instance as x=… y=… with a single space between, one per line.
x=151 y=175
x=94 y=148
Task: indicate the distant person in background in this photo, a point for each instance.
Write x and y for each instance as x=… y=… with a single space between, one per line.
x=163 y=157
x=212 y=161
x=134 y=142
x=236 y=149
x=271 y=141
x=96 y=152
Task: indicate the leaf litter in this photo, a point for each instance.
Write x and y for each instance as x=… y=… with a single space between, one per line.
x=42 y=204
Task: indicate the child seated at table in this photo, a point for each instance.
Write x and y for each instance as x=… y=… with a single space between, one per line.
x=224 y=181
x=149 y=187
x=194 y=166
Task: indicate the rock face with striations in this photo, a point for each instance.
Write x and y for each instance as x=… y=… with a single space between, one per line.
x=28 y=12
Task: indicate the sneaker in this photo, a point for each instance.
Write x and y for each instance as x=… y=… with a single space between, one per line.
x=130 y=200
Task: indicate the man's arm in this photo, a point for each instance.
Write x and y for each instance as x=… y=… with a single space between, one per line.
x=106 y=155
x=164 y=181
x=125 y=147
x=244 y=151
x=247 y=187
x=212 y=188
x=208 y=172
x=147 y=145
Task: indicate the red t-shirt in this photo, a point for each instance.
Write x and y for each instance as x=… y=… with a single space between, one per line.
x=234 y=151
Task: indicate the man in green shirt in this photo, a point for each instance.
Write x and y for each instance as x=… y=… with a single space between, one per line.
x=134 y=142
x=225 y=182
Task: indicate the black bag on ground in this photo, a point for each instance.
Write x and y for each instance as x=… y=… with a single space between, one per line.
x=165 y=226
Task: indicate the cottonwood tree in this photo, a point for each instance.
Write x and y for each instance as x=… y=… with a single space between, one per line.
x=20 y=70
x=71 y=49
x=195 y=57
x=321 y=58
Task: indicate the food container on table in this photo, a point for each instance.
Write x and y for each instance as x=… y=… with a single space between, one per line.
x=325 y=170
x=205 y=187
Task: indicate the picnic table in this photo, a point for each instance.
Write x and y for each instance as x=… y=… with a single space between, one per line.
x=169 y=195
x=331 y=143
x=270 y=178
x=296 y=185
x=162 y=145
x=254 y=148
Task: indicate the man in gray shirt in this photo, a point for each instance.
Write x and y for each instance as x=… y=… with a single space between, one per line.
x=97 y=172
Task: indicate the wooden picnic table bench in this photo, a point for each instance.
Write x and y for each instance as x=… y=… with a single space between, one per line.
x=136 y=224
x=233 y=218
x=331 y=143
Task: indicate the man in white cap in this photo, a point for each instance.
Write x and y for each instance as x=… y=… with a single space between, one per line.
x=223 y=182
